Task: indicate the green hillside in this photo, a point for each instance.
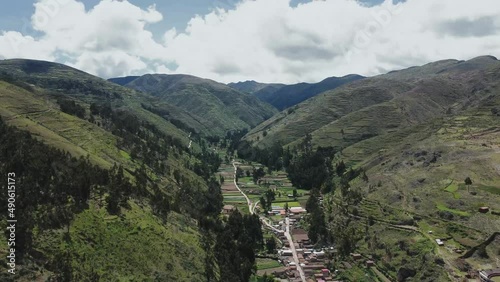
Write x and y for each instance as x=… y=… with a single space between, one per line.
x=291 y=95
x=254 y=87
x=138 y=221
x=216 y=107
x=381 y=104
x=416 y=134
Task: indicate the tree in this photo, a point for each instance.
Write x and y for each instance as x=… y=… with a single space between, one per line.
x=239 y=173
x=177 y=176
x=295 y=194
x=266 y=278
x=306 y=144
x=263 y=203
x=328 y=186
x=214 y=198
x=310 y=169
x=258 y=174
x=340 y=168
x=316 y=218
x=286 y=207
x=235 y=247
x=270 y=197
x=468 y=182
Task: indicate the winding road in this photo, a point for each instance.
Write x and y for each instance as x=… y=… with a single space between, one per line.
x=265 y=221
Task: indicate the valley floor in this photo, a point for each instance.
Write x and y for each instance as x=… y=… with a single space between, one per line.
x=404 y=243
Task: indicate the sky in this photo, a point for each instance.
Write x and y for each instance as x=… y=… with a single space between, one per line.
x=285 y=41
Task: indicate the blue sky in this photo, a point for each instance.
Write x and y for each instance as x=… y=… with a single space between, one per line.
x=232 y=40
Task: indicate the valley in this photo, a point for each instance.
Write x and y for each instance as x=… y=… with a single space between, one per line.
x=178 y=178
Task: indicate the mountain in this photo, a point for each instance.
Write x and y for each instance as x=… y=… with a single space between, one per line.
x=380 y=104
x=217 y=107
x=267 y=91
x=107 y=190
x=123 y=80
x=290 y=95
x=253 y=87
x=414 y=137
x=437 y=123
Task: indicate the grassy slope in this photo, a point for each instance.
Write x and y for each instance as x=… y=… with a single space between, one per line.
x=467 y=141
x=406 y=97
x=134 y=247
x=290 y=95
x=216 y=106
x=443 y=108
x=47 y=75
x=320 y=111
x=253 y=87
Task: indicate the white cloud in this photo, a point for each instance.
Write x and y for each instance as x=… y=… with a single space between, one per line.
x=109 y=63
x=108 y=40
x=272 y=41
x=13 y=44
x=261 y=39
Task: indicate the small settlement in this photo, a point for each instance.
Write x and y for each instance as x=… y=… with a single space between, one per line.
x=314 y=262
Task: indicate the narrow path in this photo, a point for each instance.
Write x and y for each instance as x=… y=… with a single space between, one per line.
x=249 y=203
x=294 y=252
x=251 y=209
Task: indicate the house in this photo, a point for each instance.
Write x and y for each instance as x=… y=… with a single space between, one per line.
x=439 y=242
x=319 y=254
x=297 y=210
x=484 y=209
x=370 y=263
x=279 y=272
x=227 y=209
x=356 y=256
x=318 y=276
x=313 y=267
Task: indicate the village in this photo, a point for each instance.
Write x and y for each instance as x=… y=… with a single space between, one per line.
x=296 y=259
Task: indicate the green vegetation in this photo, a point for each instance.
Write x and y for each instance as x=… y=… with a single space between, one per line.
x=267 y=264
x=405 y=142
x=120 y=185
x=453 y=188
x=490 y=189
x=213 y=108
x=442 y=207
x=285 y=96
x=63 y=204
x=110 y=190
x=235 y=246
x=290 y=204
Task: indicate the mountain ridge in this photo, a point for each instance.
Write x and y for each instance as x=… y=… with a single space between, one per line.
x=216 y=105
x=85 y=121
